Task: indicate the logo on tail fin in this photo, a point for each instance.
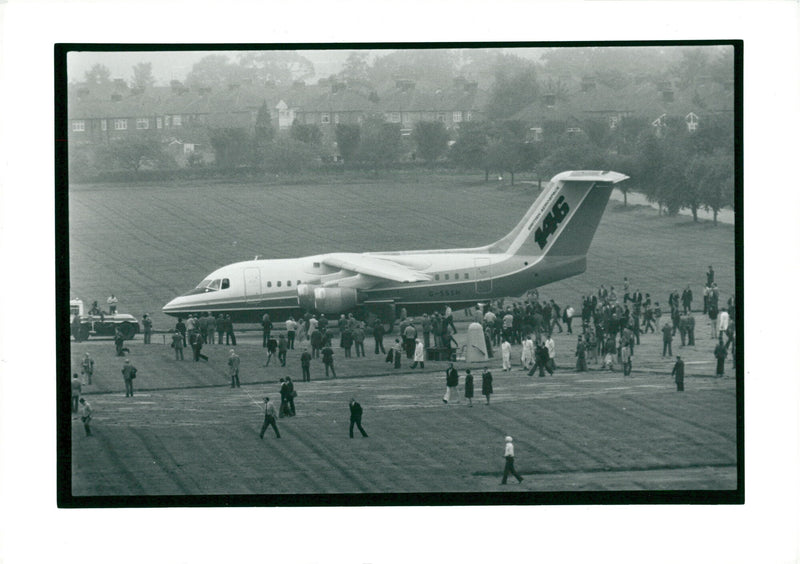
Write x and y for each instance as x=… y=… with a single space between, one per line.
x=551 y=222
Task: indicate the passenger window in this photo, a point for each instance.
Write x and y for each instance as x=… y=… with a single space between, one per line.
x=456 y=275
x=226 y=283
x=447 y=277
x=466 y=276
x=288 y=282
x=436 y=277
x=279 y=283
x=269 y=284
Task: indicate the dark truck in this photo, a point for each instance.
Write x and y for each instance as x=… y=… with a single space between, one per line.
x=99 y=324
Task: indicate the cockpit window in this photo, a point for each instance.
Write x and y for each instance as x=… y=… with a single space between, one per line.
x=210 y=286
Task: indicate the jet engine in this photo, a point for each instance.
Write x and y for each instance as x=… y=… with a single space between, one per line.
x=326 y=300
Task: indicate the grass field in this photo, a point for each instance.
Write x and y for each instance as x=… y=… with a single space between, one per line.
x=187 y=432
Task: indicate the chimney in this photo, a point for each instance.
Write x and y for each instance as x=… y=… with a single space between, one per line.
x=404 y=84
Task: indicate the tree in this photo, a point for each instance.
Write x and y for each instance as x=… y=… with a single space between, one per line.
x=264 y=131
x=431 y=138
x=348 y=140
x=513 y=90
x=572 y=152
x=98 y=74
x=231 y=146
x=381 y=142
x=471 y=148
x=288 y=155
x=355 y=69
x=310 y=134
x=142 y=77
x=132 y=153
x=507 y=150
x=280 y=67
x=716 y=180
x=216 y=70
x=662 y=170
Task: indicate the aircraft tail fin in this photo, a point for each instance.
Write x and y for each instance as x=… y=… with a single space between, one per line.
x=563 y=219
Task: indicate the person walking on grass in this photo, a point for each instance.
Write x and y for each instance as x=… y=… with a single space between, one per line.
x=305 y=364
x=270 y=419
x=419 y=354
x=355 y=417
x=233 y=369
x=509 y=469
x=451 y=394
x=128 y=374
x=148 y=328
x=327 y=360
x=666 y=331
x=87 y=368
x=75 y=385
x=677 y=372
x=720 y=353
x=505 y=349
x=469 y=387
x=486 y=385
x=86 y=416
x=177 y=344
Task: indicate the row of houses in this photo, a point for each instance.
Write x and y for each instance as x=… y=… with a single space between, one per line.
x=100 y=114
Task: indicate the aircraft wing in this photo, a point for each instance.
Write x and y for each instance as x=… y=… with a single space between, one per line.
x=374 y=266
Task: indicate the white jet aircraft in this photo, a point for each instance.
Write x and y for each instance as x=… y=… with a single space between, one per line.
x=548 y=244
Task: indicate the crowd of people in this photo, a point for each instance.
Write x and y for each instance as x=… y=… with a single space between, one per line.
x=610 y=327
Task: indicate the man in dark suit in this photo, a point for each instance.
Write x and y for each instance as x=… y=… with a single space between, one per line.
x=355 y=417
x=677 y=371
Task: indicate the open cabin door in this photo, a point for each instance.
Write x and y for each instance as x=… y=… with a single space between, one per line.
x=483 y=276
x=252 y=284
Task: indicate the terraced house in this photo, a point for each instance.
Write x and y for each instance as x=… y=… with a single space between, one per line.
x=182 y=117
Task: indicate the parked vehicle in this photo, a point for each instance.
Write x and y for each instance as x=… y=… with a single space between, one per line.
x=99 y=323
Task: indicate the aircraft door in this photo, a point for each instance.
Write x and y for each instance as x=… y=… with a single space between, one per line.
x=483 y=276
x=252 y=284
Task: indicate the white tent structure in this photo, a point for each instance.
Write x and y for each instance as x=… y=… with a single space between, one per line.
x=476 y=344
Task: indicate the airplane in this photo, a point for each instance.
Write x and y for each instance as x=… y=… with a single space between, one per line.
x=548 y=244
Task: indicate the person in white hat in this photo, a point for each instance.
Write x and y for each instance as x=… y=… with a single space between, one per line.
x=509 y=469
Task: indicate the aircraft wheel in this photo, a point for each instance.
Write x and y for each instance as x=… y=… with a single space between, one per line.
x=127 y=330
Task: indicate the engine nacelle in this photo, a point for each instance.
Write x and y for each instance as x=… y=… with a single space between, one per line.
x=305 y=296
x=335 y=300
x=326 y=300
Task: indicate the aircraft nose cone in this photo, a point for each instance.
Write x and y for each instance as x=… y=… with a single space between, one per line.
x=172 y=306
